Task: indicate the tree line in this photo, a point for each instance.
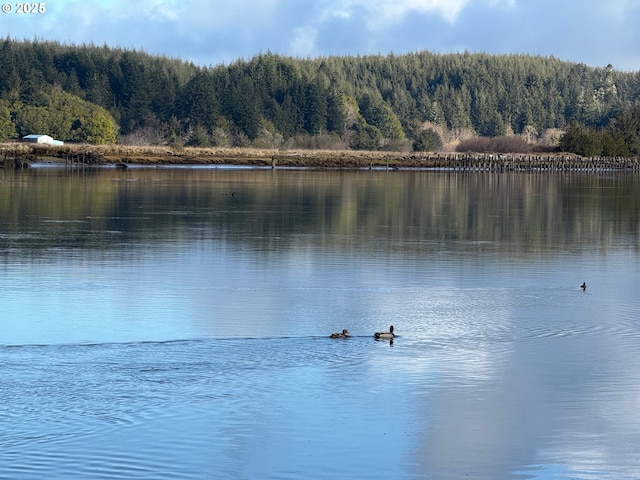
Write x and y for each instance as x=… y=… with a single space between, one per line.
x=398 y=102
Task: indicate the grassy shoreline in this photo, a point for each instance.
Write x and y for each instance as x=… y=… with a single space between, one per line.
x=121 y=154
x=21 y=155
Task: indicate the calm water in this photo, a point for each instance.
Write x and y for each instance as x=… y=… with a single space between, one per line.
x=173 y=324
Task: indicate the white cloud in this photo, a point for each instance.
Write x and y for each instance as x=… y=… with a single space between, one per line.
x=158 y=10
x=375 y=17
x=620 y=9
x=81 y=13
x=208 y=15
x=381 y=12
x=303 y=43
x=394 y=11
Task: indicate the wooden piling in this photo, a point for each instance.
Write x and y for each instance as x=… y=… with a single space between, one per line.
x=525 y=163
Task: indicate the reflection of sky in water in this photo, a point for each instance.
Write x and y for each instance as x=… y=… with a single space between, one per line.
x=480 y=379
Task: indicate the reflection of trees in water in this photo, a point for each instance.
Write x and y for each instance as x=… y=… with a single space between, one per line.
x=513 y=212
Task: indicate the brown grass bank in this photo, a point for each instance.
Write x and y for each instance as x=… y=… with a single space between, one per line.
x=19 y=154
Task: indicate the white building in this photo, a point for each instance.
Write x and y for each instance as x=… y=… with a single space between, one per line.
x=44 y=139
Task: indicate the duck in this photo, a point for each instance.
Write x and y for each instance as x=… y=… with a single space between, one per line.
x=387 y=335
x=583 y=286
x=343 y=334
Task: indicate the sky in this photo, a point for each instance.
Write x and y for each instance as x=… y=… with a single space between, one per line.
x=213 y=32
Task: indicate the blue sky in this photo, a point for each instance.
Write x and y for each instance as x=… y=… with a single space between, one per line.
x=210 y=32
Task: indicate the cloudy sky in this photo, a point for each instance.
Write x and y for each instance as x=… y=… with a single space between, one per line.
x=210 y=32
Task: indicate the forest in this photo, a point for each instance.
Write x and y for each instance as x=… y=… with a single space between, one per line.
x=416 y=101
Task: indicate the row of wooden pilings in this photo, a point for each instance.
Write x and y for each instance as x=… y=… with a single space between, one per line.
x=86 y=158
x=25 y=160
x=11 y=160
x=463 y=162
x=516 y=162
x=15 y=163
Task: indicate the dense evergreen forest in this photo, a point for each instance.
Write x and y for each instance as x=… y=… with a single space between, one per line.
x=415 y=101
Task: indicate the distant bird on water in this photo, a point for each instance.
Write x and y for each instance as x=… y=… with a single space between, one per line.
x=387 y=335
x=583 y=286
x=343 y=334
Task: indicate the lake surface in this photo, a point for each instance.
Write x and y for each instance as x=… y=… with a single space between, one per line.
x=173 y=323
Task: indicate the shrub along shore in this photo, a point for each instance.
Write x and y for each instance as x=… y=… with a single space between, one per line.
x=19 y=155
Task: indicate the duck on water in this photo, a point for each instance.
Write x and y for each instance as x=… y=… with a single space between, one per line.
x=385 y=335
x=343 y=334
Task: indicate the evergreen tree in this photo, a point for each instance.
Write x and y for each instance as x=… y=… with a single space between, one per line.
x=198 y=137
x=367 y=137
x=335 y=113
x=7 y=128
x=199 y=103
x=626 y=129
x=427 y=140
x=315 y=108
x=376 y=112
